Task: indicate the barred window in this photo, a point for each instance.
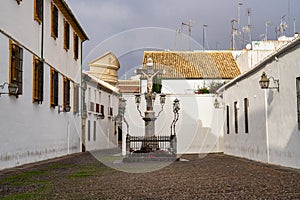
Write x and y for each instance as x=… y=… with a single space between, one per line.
x=236 y=125
x=76 y=98
x=227 y=120
x=66 y=99
x=16 y=67
x=246 y=105
x=54 y=21
x=66 y=35
x=38 y=81
x=38 y=11
x=53 y=88
x=76 y=48
x=298 y=100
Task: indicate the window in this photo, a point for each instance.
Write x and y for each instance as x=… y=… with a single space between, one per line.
x=236 y=128
x=66 y=96
x=298 y=100
x=16 y=66
x=94 y=130
x=246 y=105
x=227 y=120
x=38 y=11
x=53 y=88
x=38 y=81
x=76 y=99
x=89 y=130
x=75 y=46
x=54 y=21
x=66 y=35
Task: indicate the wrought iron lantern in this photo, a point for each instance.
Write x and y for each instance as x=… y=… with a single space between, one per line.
x=66 y=108
x=216 y=103
x=176 y=106
x=162 y=99
x=12 y=88
x=137 y=99
x=265 y=82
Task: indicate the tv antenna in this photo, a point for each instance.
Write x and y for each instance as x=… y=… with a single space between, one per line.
x=189 y=25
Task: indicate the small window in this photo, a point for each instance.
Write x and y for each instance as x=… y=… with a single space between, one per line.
x=246 y=105
x=16 y=67
x=76 y=99
x=76 y=48
x=298 y=100
x=54 y=21
x=94 y=130
x=53 y=87
x=38 y=81
x=227 y=120
x=38 y=11
x=66 y=35
x=236 y=126
x=89 y=130
x=66 y=95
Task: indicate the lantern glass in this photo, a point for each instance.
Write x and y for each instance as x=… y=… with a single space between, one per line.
x=137 y=99
x=264 y=81
x=162 y=99
x=13 y=88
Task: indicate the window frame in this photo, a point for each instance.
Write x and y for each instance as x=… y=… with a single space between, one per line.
x=227 y=119
x=94 y=131
x=16 y=66
x=76 y=94
x=66 y=35
x=76 y=46
x=54 y=21
x=38 y=81
x=38 y=11
x=54 y=89
x=246 y=113
x=66 y=94
x=236 y=123
x=298 y=100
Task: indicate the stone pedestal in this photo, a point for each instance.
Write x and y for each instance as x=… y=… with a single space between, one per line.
x=149 y=123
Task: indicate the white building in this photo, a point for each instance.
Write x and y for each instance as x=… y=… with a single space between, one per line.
x=41 y=48
x=101 y=101
x=198 y=129
x=263 y=124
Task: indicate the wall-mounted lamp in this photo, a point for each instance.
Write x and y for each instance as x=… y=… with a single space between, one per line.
x=66 y=108
x=12 y=88
x=265 y=82
x=216 y=103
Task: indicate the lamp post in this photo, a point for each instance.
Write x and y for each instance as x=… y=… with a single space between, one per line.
x=176 y=108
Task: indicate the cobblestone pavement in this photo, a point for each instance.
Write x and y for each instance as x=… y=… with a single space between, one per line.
x=215 y=176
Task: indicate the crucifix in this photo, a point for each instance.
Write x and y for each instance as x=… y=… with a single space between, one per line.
x=149 y=117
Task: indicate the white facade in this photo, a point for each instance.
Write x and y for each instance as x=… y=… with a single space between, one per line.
x=30 y=131
x=198 y=129
x=273 y=134
x=100 y=124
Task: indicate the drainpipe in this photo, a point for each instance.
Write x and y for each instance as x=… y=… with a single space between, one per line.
x=42 y=39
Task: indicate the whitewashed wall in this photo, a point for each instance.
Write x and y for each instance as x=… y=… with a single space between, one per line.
x=273 y=129
x=198 y=129
x=106 y=129
x=32 y=132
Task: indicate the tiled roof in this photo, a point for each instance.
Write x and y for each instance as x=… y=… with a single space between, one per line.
x=193 y=64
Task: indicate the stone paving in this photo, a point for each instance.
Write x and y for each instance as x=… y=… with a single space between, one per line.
x=212 y=176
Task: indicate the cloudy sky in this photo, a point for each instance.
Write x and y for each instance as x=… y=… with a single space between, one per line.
x=126 y=26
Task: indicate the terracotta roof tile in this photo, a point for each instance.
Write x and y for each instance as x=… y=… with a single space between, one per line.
x=187 y=64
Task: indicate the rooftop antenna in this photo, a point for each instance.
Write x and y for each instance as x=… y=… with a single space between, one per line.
x=249 y=24
x=268 y=23
x=289 y=17
x=239 y=15
x=189 y=25
x=295 y=26
x=233 y=33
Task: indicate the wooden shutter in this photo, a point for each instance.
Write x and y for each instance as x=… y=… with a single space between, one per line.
x=16 y=68
x=55 y=88
x=66 y=35
x=54 y=24
x=76 y=51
